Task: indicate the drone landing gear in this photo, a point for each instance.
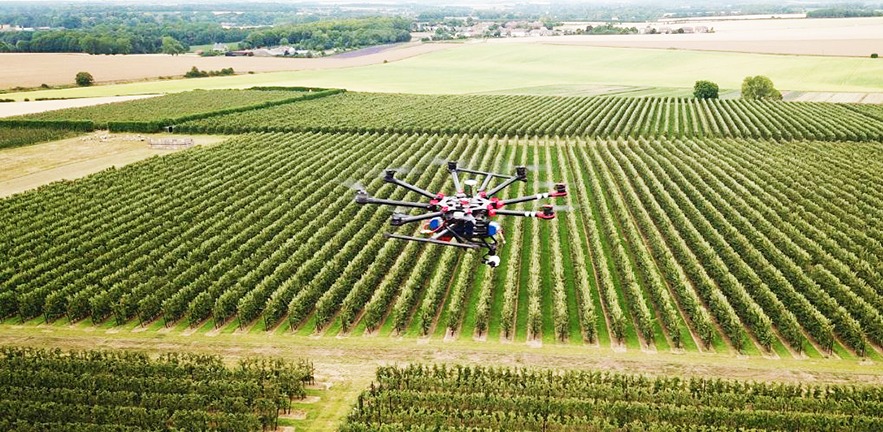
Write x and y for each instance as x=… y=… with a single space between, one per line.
x=492 y=260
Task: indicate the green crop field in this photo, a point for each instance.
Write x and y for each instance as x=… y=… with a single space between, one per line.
x=14 y=136
x=700 y=244
x=729 y=231
x=561 y=116
x=112 y=391
x=423 y=398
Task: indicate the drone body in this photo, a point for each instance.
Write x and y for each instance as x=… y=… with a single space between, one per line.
x=464 y=219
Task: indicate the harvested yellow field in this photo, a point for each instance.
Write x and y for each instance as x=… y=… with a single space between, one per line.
x=851 y=37
x=32 y=70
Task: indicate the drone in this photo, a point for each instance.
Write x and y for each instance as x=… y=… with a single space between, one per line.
x=463 y=220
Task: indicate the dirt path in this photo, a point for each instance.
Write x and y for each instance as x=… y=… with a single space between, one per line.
x=356 y=358
x=26 y=168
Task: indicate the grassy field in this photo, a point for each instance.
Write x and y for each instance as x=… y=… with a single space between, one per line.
x=493 y=67
x=485 y=67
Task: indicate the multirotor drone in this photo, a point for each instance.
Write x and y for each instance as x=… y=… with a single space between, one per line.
x=463 y=220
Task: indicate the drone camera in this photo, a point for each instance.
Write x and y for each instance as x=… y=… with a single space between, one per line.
x=470 y=186
x=452 y=165
x=521 y=172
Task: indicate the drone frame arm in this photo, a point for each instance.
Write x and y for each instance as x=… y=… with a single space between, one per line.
x=488 y=176
x=560 y=191
x=525 y=198
x=390 y=178
x=456 y=178
x=433 y=241
x=544 y=214
x=503 y=185
x=372 y=200
x=399 y=219
x=486 y=182
x=485 y=173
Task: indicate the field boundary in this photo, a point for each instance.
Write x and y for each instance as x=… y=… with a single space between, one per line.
x=170 y=124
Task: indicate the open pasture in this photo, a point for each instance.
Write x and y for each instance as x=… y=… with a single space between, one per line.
x=478 y=67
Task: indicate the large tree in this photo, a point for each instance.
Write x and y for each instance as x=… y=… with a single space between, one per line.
x=171 y=46
x=705 y=90
x=84 y=79
x=759 y=87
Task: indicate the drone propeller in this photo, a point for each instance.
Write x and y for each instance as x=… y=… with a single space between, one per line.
x=565 y=208
x=353 y=185
x=405 y=170
x=401 y=210
x=546 y=184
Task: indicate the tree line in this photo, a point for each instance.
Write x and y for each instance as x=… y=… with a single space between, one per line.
x=326 y=35
x=144 y=36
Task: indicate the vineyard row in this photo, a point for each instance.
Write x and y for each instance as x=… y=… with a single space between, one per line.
x=120 y=390
x=705 y=245
x=564 y=116
x=424 y=398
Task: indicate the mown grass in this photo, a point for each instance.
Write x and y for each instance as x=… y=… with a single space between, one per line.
x=550 y=69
